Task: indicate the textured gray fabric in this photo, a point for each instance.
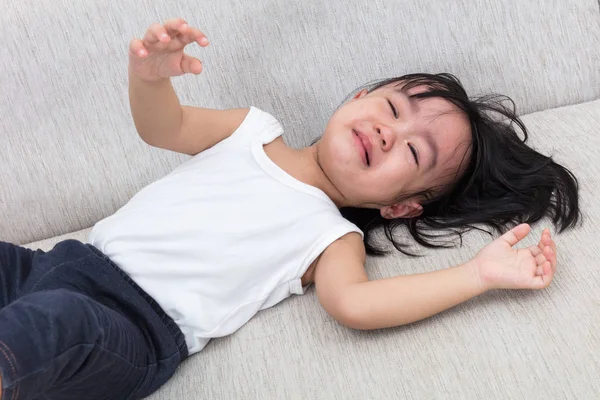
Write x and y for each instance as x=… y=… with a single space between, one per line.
x=69 y=156
x=502 y=345
x=69 y=153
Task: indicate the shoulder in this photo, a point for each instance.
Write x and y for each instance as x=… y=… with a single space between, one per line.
x=342 y=261
x=339 y=267
x=202 y=128
x=352 y=242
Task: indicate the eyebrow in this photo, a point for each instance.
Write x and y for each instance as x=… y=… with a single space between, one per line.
x=402 y=92
x=433 y=147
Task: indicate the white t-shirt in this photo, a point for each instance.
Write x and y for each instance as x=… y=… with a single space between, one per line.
x=226 y=234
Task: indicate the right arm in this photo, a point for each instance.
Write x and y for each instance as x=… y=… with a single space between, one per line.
x=160 y=119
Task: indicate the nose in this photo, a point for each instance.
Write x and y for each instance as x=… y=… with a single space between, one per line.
x=385 y=136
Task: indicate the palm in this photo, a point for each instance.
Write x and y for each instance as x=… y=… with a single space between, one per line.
x=514 y=267
x=503 y=266
x=163 y=64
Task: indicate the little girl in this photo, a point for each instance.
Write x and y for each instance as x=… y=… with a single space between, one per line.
x=248 y=221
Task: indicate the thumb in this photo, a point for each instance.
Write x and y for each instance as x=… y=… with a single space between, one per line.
x=516 y=234
x=190 y=65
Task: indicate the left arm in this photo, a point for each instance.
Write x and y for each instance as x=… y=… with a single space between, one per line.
x=347 y=294
x=400 y=300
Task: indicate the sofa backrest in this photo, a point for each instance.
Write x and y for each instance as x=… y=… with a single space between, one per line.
x=69 y=152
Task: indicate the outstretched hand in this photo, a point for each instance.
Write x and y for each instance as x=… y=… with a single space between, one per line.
x=500 y=266
x=160 y=53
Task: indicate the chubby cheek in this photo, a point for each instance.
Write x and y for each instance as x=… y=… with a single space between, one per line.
x=339 y=148
x=390 y=182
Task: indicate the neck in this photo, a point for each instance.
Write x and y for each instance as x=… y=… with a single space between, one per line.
x=309 y=160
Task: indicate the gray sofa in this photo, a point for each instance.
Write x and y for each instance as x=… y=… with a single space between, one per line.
x=70 y=156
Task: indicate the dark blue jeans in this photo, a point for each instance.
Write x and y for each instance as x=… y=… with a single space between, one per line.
x=75 y=326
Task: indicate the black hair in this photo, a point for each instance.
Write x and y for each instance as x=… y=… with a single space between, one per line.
x=504 y=183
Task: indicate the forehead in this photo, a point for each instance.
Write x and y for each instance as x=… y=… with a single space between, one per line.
x=431 y=109
x=401 y=87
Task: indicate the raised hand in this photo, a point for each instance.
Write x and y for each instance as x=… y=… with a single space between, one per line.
x=501 y=266
x=160 y=53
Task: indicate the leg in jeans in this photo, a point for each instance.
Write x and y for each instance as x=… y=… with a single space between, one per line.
x=64 y=345
x=59 y=342
x=11 y=275
x=15 y=268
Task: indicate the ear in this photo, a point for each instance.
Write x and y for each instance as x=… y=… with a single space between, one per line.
x=408 y=209
x=360 y=94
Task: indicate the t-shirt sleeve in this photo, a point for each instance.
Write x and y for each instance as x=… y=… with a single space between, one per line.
x=258 y=125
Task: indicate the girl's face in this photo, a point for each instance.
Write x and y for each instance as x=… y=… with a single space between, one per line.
x=411 y=145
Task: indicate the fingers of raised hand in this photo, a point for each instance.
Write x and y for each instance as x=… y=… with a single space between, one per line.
x=172 y=26
x=156 y=35
x=175 y=33
x=183 y=33
x=189 y=34
x=137 y=48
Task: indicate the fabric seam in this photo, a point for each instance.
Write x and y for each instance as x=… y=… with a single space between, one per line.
x=54 y=268
x=296 y=185
x=167 y=321
x=94 y=345
x=17 y=385
x=334 y=234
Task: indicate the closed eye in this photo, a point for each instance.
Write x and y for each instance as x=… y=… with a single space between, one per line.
x=414 y=152
x=393 y=109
